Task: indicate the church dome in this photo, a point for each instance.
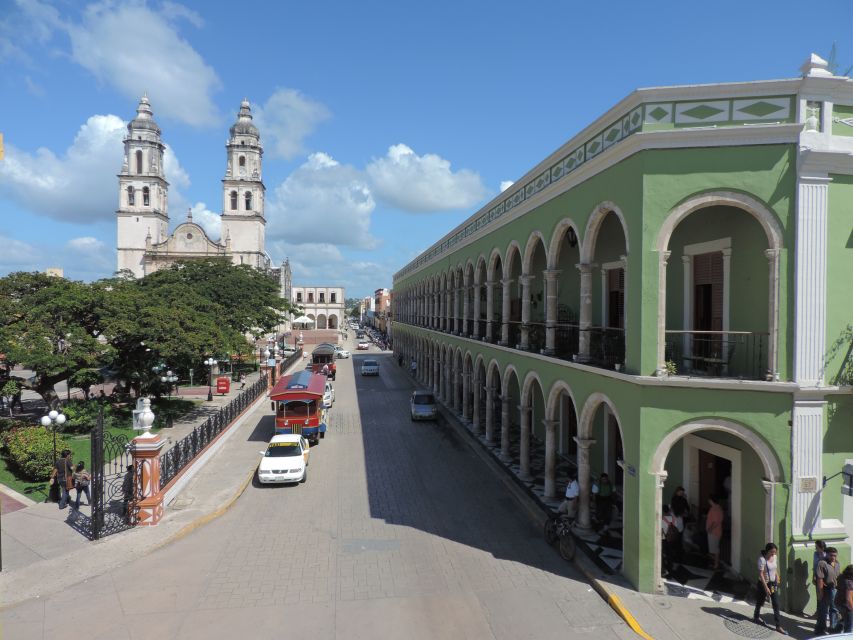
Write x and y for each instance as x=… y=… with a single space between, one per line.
x=244 y=124
x=144 y=117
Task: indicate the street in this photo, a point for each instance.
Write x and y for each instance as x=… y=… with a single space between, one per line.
x=399 y=532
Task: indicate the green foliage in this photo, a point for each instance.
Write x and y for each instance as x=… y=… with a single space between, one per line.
x=81 y=416
x=30 y=449
x=86 y=378
x=7 y=424
x=671 y=368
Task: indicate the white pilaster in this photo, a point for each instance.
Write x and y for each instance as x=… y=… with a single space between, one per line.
x=807 y=468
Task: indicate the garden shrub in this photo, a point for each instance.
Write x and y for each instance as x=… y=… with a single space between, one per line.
x=81 y=416
x=30 y=450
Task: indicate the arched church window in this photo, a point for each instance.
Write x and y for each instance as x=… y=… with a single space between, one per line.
x=242 y=161
x=248 y=201
x=131 y=196
x=138 y=162
x=233 y=201
x=146 y=197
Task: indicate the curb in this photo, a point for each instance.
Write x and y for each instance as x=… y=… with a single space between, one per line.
x=534 y=512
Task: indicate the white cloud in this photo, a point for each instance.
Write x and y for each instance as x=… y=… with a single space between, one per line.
x=286 y=119
x=84 y=258
x=209 y=220
x=17 y=255
x=85 y=244
x=423 y=183
x=80 y=185
x=136 y=49
x=506 y=184
x=322 y=201
x=174 y=11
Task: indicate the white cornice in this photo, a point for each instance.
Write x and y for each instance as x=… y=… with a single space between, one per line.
x=744 y=135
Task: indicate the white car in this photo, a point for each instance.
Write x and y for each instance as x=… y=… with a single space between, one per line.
x=370 y=368
x=363 y=345
x=285 y=460
x=341 y=353
x=329 y=395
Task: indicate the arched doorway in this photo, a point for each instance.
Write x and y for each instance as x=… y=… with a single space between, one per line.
x=533 y=294
x=532 y=418
x=321 y=321
x=493 y=402
x=561 y=451
x=713 y=456
x=565 y=256
x=333 y=321
x=511 y=308
x=494 y=293
x=510 y=417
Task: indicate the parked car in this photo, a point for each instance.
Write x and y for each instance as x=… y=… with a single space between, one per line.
x=423 y=406
x=288 y=350
x=340 y=352
x=363 y=345
x=370 y=368
x=329 y=395
x=285 y=460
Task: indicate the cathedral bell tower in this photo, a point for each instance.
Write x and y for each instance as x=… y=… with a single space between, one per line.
x=243 y=193
x=143 y=214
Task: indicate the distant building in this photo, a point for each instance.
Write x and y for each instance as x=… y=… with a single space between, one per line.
x=56 y=272
x=324 y=305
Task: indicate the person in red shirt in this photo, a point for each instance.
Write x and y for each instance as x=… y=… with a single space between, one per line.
x=714 y=529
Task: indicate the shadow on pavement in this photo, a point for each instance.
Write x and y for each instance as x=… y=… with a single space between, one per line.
x=422 y=475
x=741 y=624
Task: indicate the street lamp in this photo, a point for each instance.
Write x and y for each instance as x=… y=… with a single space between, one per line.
x=272 y=369
x=53 y=418
x=210 y=362
x=169 y=379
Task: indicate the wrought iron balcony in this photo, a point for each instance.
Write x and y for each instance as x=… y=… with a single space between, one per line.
x=717 y=354
x=606 y=347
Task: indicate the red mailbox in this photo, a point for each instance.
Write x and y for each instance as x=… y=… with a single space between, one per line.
x=223 y=384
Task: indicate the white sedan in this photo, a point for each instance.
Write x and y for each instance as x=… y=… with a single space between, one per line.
x=342 y=353
x=285 y=460
x=370 y=368
x=363 y=345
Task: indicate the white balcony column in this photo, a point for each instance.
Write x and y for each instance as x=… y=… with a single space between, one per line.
x=490 y=309
x=490 y=414
x=476 y=389
x=550 y=458
x=584 y=483
x=687 y=313
x=585 y=316
x=476 y=323
x=552 y=279
x=525 y=311
x=524 y=448
x=466 y=389
x=773 y=316
x=505 y=311
x=810 y=284
x=663 y=256
x=505 y=428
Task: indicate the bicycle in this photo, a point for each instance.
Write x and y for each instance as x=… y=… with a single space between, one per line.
x=560 y=528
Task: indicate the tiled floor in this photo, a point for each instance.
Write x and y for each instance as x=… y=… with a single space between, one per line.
x=687 y=580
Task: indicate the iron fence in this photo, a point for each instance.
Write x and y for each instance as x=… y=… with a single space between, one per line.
x=606 y=346
x=718 y=354
x=566 y=340
x=535 y=337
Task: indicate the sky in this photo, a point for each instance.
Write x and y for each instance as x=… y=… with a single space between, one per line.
x=384 y=124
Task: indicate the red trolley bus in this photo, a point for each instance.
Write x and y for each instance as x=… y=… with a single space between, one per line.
x=297 y=400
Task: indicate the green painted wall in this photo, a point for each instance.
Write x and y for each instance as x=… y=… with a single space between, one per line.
x=842 y=111
x=839 y=295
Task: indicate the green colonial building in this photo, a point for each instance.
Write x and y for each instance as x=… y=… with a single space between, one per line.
x=666 y=298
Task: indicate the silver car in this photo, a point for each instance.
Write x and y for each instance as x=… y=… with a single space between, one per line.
x=423 y=406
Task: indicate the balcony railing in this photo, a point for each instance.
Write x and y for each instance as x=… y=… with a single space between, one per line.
x=482 y=325
x=718 y=354
x=566 y=341
x=469 y=327
x=536 y=336
x=514 y=334
x=606 y=347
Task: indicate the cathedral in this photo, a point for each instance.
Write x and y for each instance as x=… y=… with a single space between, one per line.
x=144 y=243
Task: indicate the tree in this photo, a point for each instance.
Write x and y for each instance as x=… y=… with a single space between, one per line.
x=832 y=63
x=50 y=326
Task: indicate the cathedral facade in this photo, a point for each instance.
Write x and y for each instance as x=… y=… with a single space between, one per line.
x=144 y=243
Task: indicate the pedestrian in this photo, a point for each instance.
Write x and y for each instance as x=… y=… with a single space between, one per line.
x=819 y=554
x=844 y=597
x=668 y=532
x=63 y=477
x=604 y=502
x=413 y=368
x=827 y=584
x=714 y=529
x=326 y=370
x=242 y=381
x=680 y=505
x=82 y=478
x=569 y=506
x=767 y=587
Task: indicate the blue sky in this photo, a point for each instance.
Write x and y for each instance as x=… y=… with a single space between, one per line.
x=384 y=124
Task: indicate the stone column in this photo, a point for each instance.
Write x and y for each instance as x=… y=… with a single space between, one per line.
x=490 y=310
x=466 y=389
x=476 y=323
x=550 y=458
x=475 y=405
x=583 y=522
x=585 y=315
x=466 y=293
x=448 y=311
x=490 y=414
x=524 y=449
x=663 y=256
x=448 y=384
x=525 y=311
x=455 y=312
x=505 y=312
x=505 y=428
x=147 y=500
x=454 y=390
x=773 y=316
x=687 y=315
x=551 y=284
x=435 y=377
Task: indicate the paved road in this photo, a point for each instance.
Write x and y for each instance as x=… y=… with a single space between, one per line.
x=399 y=532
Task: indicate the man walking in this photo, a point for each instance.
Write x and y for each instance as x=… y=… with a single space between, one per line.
x=63 y=477
x=827 y=584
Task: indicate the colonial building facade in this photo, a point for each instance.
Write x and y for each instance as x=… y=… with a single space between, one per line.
x=144 y=243
x=665 y=299
x=324 y=305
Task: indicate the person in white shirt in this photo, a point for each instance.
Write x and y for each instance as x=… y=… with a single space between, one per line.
x=569 y=506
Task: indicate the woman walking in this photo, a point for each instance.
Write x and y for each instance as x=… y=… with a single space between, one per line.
x=767 y=587
x=82 y=478
x=714 y=529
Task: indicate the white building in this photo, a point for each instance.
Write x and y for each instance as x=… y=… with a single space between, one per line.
x=144 y=244
x=324 y=305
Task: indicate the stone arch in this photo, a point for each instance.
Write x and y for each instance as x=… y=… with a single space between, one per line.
x=495 y=258
x=481 y=267
x=531 y=377
x=560 y=230
x=599 y=213
x=512 y=253
x=529 y=249
x=333 y=321
x=588 y=413
x=557 y=389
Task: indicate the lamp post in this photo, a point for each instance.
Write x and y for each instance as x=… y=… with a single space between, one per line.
x=210 y=362
x=53 y=418
x=272 y=369
x=169 y=379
